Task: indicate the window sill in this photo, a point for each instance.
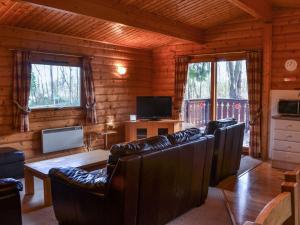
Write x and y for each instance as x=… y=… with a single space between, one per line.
x=57 y=108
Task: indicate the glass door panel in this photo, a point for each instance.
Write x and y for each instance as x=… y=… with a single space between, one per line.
x=197 y=98
x=232 y=93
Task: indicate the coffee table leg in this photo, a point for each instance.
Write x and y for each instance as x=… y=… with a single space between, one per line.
x=47 y=192
x=29 y=182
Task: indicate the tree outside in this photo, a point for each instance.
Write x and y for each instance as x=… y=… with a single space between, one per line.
x=232 y=94
x=54 y=86
x=231 y=80
x=198 y=82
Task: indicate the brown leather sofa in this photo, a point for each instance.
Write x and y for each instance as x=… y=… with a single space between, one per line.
x=10 y=205
x=147 y=182
x=228 y=148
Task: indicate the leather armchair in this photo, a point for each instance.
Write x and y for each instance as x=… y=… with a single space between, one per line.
x=10 y=206
x=227 y=151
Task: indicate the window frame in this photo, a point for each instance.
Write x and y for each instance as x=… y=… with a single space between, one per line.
x=214 y=59
x=59 y=63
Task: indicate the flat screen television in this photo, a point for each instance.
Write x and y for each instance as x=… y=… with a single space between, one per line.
x=153 y=107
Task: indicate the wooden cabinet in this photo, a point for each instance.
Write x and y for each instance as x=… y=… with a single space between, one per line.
x=286 y=143
x=139 y=129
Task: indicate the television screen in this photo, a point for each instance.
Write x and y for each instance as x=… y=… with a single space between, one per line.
x=154 y=107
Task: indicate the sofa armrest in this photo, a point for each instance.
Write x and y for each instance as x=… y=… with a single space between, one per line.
x=95 y=182
x=10 y=185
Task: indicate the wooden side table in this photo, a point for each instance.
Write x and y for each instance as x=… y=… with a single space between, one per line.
x=105 y=134
x=97 y=134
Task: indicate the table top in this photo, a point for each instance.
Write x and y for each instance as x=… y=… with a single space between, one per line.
x=79 y=160
x=108 y=132
x=155 y=121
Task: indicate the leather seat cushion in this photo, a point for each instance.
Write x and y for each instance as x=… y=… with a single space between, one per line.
x=10 y=183
x=180 y=137
x=156 y=143
x=95 y=181
x=10 y=155
x=213 y=125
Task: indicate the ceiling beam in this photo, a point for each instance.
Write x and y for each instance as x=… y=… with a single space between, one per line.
x=127 y=15
x=260 y=9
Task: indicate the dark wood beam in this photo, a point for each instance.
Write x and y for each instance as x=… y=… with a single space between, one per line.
x=259 y=9
x=130 y=16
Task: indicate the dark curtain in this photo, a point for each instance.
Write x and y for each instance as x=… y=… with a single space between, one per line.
x=254 y=75
x=181 y=69
x=89 y=91
x=21 y=89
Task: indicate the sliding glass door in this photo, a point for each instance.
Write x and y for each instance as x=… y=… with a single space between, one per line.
x=216 y=90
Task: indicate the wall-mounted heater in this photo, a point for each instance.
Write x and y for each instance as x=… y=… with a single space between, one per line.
x=62 y=138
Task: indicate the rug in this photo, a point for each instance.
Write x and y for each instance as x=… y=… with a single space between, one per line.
x=213 y=212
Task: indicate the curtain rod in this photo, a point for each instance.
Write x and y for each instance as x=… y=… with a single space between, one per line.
x=218 y=53
x=52 y=53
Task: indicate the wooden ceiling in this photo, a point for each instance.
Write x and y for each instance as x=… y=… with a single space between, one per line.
x=196 y=14
x=30 y=16
x=199 y=13
x=286 y=3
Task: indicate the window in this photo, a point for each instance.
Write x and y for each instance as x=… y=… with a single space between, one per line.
x=217 y=90
x=54 y=86
x=197 y=95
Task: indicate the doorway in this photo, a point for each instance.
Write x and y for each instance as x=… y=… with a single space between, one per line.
x=216 y=90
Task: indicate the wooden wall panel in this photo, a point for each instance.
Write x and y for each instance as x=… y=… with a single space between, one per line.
x=115 y=95
x=240 y=35
x=286 y=45
x=243 y=34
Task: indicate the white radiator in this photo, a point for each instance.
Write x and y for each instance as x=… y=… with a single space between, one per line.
x=62 y=138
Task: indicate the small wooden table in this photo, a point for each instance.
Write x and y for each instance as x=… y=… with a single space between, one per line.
x=87 y=160
x=97 y=134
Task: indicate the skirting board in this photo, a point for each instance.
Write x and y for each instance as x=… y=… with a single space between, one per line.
x=284 y=165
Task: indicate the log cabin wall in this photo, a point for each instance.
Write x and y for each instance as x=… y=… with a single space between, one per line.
x=242 y=34
x=115 y=95
x=286 y=45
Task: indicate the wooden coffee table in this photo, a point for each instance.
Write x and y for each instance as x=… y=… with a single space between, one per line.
x=87 y=160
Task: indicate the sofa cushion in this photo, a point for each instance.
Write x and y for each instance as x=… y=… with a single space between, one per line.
x=149 y=144
x=10 y=155
x=215 y=124
x=95 y=181
x=180 y=137
x=10 y=183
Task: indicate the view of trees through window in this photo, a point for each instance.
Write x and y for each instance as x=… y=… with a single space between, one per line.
x=231 y=93
x=232 y=80
x=198 y=82
x=54 y=86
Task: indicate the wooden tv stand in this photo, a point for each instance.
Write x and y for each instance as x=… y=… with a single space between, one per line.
x=139 y=129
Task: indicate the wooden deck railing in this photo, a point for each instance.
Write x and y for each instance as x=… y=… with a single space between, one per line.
x=197 y=111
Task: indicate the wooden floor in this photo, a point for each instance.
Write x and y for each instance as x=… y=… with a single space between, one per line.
x=246 y=195
x=250 y=192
